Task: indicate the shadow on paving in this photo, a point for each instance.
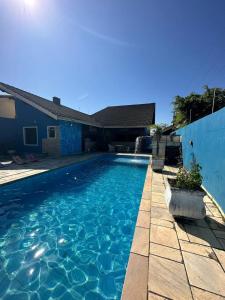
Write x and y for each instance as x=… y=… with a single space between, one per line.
x=204 y=231
x=169 y=173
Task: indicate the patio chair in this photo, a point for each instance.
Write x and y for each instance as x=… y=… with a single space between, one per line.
x=18 y=160
x=5 y=163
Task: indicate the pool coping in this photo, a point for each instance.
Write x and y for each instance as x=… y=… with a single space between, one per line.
x=54 y=164
x=166 y=253
x=139 y=254
x=142 y=228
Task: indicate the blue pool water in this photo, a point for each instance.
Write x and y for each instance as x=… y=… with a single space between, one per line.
x=67 y=234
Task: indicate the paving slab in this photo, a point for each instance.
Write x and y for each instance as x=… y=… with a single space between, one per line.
x=143 y=219
x=206 y=199
x=193 y=272
x=158 y=189
x=215 y=212
x=145 y=205
x=168 y=278
x=208 y=212
x=221 y=257
x=182 y=234
x=161 y=213
x=199 y=294
x=158 y=177
x=196 y=249
x=222 y=243
x=136 y=280
x=166 y=252
x=163 y=205
x=205 y=273
x=202 y=236
x=152 y=296
x=219 y=233
x=157 y=181
x=158 y=198
x=163 y=223
x=140 y=244
x=164 y=236
x=215 y=223
x=146 y=195
x=201 y=223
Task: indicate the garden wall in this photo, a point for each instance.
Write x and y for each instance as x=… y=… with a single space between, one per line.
x=205 y=141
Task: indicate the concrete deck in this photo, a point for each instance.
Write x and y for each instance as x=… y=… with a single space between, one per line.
x=171 y=259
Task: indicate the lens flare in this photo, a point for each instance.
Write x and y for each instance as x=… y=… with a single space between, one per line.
x=30 y=3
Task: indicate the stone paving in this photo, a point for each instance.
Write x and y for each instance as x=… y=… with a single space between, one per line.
x=174 y=259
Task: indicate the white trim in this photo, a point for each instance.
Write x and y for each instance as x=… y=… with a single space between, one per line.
x=24 y=138
x=79 y=121
x=48 y=132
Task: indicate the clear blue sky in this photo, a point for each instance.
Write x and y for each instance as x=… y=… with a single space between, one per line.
x=95 y=53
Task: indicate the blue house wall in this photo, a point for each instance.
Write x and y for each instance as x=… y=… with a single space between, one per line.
x=208 y=139
x=11 y=130
x=71 y=137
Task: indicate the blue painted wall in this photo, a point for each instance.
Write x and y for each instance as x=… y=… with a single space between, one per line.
x=208 y=137
x=11 y=130
x=71 y=137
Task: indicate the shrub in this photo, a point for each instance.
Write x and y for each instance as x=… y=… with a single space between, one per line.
x=190 y=180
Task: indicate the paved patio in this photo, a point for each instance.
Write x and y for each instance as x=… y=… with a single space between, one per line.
x=174 y=259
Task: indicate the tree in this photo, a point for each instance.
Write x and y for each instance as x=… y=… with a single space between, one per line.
x=195 y=106
x=155 y=127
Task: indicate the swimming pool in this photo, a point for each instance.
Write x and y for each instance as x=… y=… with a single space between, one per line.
x=67 y=234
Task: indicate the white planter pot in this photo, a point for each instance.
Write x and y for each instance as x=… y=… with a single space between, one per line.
x=185 y=203
x=157 y=164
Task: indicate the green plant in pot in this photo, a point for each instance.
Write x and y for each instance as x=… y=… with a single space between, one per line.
x=190 y=180
x=184 y=195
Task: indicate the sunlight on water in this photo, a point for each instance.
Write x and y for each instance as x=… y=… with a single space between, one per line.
x=71 y=240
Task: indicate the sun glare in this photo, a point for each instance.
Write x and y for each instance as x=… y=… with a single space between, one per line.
x=30 y=3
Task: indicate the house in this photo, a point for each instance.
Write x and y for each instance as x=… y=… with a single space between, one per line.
x=29 y=123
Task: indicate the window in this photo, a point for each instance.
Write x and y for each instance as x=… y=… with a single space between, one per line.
x=30 y=136
x=51 y=132
x=7 y=108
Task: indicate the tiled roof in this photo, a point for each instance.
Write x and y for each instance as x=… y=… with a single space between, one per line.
x=61 y=111
x=139 y=115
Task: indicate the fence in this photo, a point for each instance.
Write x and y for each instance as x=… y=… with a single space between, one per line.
x=205 y=141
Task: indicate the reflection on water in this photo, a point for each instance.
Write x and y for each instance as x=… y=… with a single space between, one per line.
x=67 y=234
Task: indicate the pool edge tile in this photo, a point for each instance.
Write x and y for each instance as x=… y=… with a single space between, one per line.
x=136 y=287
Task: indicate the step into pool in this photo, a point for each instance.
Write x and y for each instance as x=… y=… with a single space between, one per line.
x=66 y=234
